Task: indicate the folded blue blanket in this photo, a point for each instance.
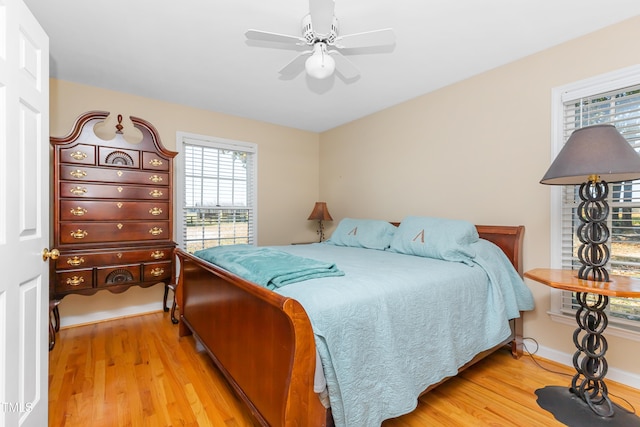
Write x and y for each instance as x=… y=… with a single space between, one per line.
x=267 y=267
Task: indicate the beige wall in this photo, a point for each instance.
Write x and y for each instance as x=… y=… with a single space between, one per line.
x=287 y=173
x=476 y=150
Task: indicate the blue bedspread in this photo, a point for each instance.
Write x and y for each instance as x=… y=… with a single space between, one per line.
x=395 y=324
x=266 y=266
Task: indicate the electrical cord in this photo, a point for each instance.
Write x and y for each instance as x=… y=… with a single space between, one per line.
x=531 y=354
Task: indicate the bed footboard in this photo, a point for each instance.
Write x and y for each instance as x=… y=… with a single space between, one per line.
x=262 y=342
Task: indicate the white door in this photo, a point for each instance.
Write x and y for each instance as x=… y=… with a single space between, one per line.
x=24 y=217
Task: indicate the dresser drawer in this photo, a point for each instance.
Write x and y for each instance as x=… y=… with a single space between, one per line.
x=79 y=154
x=83 y=259
x=73 y=210
x=113 y=174
x=103 y=232
x=159 y=271
x=154 y=162
x=111 y=191
x=74 y=280
x=118 y=275
x=118 y=157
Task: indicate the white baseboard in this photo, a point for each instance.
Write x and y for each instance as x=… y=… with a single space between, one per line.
x=76 y=310
x=617 y=375
x=99 y=316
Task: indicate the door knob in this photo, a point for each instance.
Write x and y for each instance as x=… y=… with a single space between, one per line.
x=50 y=254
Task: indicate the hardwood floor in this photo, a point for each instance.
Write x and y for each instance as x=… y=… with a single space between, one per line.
x=136 y=372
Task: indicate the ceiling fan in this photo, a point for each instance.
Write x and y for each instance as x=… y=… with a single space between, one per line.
x=320 y=32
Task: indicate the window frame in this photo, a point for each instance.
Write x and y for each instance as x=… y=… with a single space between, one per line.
x=186 y=138
x=607 y=82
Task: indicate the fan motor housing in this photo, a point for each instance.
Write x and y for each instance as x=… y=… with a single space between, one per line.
x=311 y=37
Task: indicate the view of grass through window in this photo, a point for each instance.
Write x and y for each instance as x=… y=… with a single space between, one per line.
x=206 y=228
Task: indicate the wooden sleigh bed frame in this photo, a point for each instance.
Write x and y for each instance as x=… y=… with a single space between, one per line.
x=263 y=343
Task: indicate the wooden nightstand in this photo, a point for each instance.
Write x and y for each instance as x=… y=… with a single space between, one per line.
x=587 y=400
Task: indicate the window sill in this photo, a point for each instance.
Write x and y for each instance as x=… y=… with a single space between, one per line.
x=612 y=328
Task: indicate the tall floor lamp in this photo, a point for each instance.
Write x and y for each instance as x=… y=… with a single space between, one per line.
x=592 y=157
x=320 y=213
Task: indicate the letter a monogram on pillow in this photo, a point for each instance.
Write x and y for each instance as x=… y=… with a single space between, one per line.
x=363 y=233
x=439 y=238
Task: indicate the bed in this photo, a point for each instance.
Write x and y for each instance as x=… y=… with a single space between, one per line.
x=263 y=342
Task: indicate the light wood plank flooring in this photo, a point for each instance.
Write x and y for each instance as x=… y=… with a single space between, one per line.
x=136 y=372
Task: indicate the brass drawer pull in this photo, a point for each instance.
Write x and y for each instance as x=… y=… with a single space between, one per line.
x=157 y=254
x=155 y=162
x=75 y=281
x=79 y=234
x=78 y=190
x=156 y=193
x=78 y=155
x=79 y=211
x=78 y=173
x=155 y=211
x=155 y=178
x=155 y=231
x=75 y=261
x=157 y=272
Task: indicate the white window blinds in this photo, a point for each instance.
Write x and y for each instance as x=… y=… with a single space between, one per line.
x=218 y=193
x=620 y=107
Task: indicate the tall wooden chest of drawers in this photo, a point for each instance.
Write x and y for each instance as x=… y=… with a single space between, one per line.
x=113 y=210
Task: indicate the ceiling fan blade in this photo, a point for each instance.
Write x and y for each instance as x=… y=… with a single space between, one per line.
x=274 y=37
x=369 y=38
x=344 y=66
x=321 y=12
x=296 y=65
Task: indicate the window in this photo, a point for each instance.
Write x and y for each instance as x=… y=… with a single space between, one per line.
x=615 y=99
x=215 y=192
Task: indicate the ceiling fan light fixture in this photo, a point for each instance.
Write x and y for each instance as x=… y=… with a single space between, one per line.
x=320 y=64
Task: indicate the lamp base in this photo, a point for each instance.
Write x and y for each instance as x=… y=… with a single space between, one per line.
x=572 y=411
x=593 y=232
x=320 y=231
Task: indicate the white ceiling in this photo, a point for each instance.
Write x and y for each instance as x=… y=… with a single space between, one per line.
x=194 y=52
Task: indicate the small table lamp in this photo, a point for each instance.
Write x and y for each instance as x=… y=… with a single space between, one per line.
x=320 y=213
x=592 y=157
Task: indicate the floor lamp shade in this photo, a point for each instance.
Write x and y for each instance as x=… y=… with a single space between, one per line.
x=597 y=150
x=592 y=157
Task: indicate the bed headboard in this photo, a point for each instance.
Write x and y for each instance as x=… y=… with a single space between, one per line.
x=507 y=237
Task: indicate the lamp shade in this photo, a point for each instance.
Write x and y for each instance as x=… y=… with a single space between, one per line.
x=320 y=212
x=594 y=150
x=320 y=65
